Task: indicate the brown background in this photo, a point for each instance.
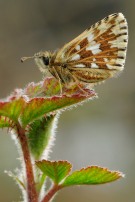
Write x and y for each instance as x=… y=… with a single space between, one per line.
x=101 y=132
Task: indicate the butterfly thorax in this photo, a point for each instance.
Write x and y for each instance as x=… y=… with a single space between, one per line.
x=49 y=64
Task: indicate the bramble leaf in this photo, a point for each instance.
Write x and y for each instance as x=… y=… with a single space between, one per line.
x=12 y=109
x=40 y=183
x=36 y=100
x=37 y=107
x=39 y=134
x=46 y=88
x=56 y=170
x=5 y=122
x=91 y=175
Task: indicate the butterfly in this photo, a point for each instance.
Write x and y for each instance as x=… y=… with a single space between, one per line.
x=94 y=56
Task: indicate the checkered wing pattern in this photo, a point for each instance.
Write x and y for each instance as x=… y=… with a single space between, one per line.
x=99 y=52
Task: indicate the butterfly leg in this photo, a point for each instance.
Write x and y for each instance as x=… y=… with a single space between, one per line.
x=57 y=77
x=77 y=83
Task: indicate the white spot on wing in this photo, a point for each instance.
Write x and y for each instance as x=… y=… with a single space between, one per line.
x=115 y=67
x=90 y=37
x=116 y=30
x=122 y=54
x=106 y=59
x=109 y=66
x=120 y=61
x=119 y=45
x=92 y=43
x=95 y=49
x=120 y=17
x=80 y=65
x=75 y=57
x=119 y=42
x=77 y=47
x=103 y=26
x=94 y=65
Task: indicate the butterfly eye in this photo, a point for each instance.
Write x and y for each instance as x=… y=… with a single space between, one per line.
x=45 y=60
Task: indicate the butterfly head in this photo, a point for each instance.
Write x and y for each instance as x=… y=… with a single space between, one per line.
x=42 y=59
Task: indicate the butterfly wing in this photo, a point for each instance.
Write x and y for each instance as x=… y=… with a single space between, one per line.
x=99 y=52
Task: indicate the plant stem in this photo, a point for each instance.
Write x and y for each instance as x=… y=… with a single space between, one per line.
x=51 y=193
x=31 y=188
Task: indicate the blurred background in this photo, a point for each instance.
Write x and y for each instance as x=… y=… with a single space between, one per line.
x=102 y=131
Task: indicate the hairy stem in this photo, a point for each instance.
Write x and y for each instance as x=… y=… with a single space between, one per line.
x=31 y=188
x=51 y=193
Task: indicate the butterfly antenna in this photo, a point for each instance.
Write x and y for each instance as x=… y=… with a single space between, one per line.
x=26 y=58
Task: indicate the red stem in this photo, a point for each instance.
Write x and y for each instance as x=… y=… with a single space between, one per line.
x=31 y=189
x=51 y=193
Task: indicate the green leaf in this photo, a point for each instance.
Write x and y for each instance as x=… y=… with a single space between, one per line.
x=40 y=182
x=91 y=175
x=39 y=135
x=5 y=122
x=36 y=100
x=48 y=87
x=12 y=109
x=37 y=107
x=56 y=170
